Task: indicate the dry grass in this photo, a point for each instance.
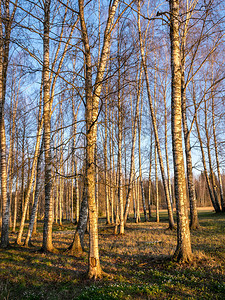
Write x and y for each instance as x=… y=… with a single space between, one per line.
x=138 y=263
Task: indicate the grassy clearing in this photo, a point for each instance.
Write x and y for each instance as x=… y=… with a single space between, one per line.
x=138 y=264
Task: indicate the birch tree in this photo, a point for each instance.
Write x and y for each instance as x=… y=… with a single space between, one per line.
x=216 y=146
x=47 y=230
x=153 y=117
x=6 y=20
x=138 y=80
x=92 y=94
x=183 y=251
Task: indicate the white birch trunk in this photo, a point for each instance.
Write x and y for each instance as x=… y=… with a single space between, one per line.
x=183 y=251
x=166 y=190
x=91 y=115
x=47 y=229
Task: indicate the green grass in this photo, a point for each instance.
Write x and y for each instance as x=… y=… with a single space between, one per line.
x=138 y=265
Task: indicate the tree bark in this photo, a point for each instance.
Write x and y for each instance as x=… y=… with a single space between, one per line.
x=106 y=160
x=77 y=246
x=183 y=251
x=91 y=115
x=216 y=207
x=194 y=224
x=170 y=212
x=16 y=195
x=30 y=184
x=4 y=59
x=140 y=168
x=11 y=156
x=134 y=135
x=156 y=188
x=47 y=245
x=212 y=176
x=166 y=152
x=137 y=192
x=149 y=179
x=112 y=179
x=119 y=162
x=216 y=154
x=36 y=197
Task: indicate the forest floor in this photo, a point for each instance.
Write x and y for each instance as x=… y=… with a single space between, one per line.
x=138 y=264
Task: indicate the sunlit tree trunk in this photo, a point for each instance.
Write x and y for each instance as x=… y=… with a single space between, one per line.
x=212 y=176
x=76 y=187
x=183 y=251
x=72 y=193
x=61 y=162
x=120 y=137
x=156 y=188
x=106 y=159
x=119 y=163
x=166 y=190
x=134 y=199
x=134 y=135
x=22 y=189
x=16 y=192
x=47 y=229
x=115 y=187
x=166 y=150
x=216 y=154
x=49 y=79
x=137 y=193
x=61 y=191
x=91 y=115
x=11 y=155
x=36 y=197
x=96 y=180
x=140 y=168
x=4 y=58
x=34 y=173
x=194 y=224
x=77 y=198
x=216 y=207
x=30 y=184
x=29 y=171
x=156 y=158
x=5 y=200
x=149 y=179
x=111 y=159
x=57 y=200
x=67 y=188
x=76 y=248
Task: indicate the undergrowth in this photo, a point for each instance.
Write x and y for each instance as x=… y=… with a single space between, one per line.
x=138 y=264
